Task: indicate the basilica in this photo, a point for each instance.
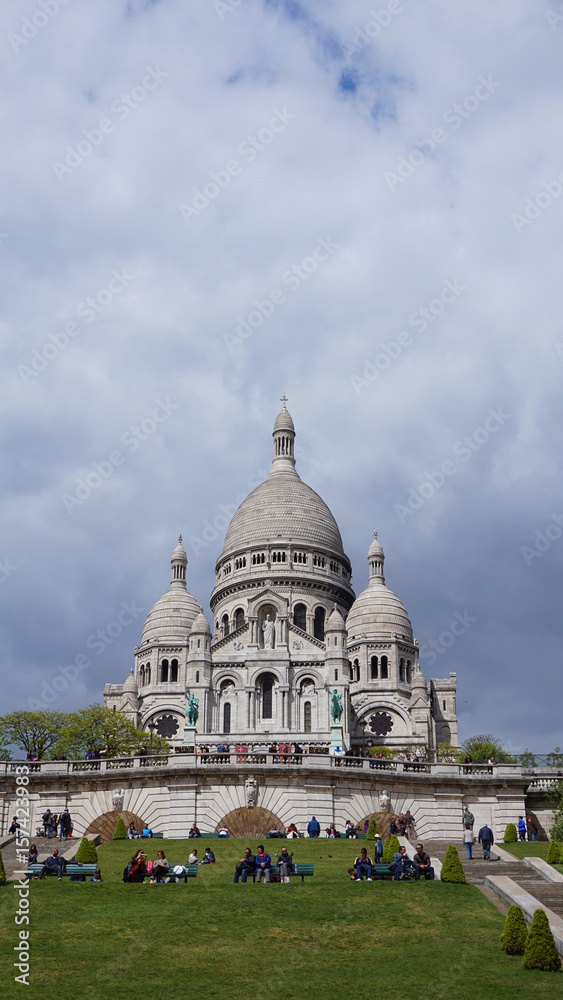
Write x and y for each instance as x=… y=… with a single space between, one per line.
x=290 y=639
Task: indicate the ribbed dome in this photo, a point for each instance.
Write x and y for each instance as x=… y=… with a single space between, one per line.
x=130 y=684
x=172 y=617
x=284 y=421
x=377 y=609
x=201 y=624
x=283 y=505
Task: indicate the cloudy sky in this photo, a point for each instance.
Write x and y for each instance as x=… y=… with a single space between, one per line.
x=207 y=205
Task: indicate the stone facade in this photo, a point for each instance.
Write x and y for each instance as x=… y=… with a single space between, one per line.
x=289 y=636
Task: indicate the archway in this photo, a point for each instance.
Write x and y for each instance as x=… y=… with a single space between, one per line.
x=251 y=822
x=382 y=820
x=105 y=824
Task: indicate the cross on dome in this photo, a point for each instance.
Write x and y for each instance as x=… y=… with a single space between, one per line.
x=284 y=401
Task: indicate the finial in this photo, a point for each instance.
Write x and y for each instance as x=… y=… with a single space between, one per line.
x=180 y=539
x=375 y=533
x=284 y=401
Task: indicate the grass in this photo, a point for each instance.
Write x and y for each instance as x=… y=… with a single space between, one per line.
x=324 y=939
x=530 y=849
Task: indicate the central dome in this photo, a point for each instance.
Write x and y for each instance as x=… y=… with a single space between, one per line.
x=283 y=506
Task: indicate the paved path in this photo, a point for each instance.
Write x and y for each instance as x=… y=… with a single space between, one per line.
x=44 y=849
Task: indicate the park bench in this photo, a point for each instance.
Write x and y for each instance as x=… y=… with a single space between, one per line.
x=71 y=869
x=190 y=871
x=301 y=868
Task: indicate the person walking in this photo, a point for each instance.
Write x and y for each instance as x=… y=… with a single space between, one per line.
x=521 y=828
x=313 y=827
x=468 y=841
x=486 y=839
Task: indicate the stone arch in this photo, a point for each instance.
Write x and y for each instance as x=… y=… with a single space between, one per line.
x=104 y=825
x=251 y=822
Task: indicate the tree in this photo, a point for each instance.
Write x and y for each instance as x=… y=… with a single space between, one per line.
x=480 y=748
x=372 y=829
x=553 y=853
x=32 y=732
x=120 y=832
x=99 y=727
x=452 y=869
x=510 y=836
x=527 y=759
x=515 y=934
x=540 y=951
x=385 y=858
x=87 y=852
x=447 y=754
x=555 y=758
x=555 y=794
x=390 y=847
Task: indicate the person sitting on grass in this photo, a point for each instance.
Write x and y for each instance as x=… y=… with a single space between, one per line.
x=263 y=865
x=422 y=864
x=363 y=866
x=97 y=876
x=194 y=832
x=137 y=868
x=285 y=862
x=402 y=865
x=160 y=868
x=193 y=858
x=147 y=832
x=208 y=857
x=132 y=832
x=223 y=832
x=244 y=866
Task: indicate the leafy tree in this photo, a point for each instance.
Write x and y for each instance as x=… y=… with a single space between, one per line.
x=553 y=853
x=120 y=833
x=555 y=794
x=540 y=951
x=2 y=871
x=555 y=758
x=527 y=759
x=480 y=748
x=390 y=847
x=372 y=829
x=385 y=752
x=510 y=836
x=515 y=934
x=447 y=754
x=87 y=852
x=452 y=869
x=99 y=726
x=32 y=732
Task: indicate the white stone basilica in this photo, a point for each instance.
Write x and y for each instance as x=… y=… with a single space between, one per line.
x=288 y=632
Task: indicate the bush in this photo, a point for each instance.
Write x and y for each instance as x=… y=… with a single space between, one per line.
x=515 y=934
x=452 y=870
x=2 y=871
x=553 y=853
x=392 y=846
x=510 y=836
x=372 y=829
x=86 y=852
x=120 y=833
x=540 y=951
x=385 y=857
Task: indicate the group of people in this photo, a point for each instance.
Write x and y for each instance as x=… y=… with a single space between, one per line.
x=260 y=865
x=402 y=867
x=402 y=825
x=133 y=833
x=53 y=822
x=160 y=870
x=56 y=865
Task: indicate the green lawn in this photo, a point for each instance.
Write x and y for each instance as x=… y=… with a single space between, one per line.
x=530 y=849
x=324 y=939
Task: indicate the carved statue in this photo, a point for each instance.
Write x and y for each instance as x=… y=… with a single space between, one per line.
x=192 y=709
x=268 y=630
x=251 y=789
x=384 y=802
x=336 y=706
x=117 y=797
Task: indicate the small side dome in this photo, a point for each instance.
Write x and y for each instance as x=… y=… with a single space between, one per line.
x=131 y=684
x=179 y=554
x=200 y=625
x=335 y=621
x=284 y=421
x=375 y=549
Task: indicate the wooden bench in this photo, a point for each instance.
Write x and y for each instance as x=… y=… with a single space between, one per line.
x=302 y=868
x=71 y=869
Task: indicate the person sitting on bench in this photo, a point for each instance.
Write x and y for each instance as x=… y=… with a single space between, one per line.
x=285 y=862
x=363 y=866
x=422 y=864
x=263 y=865
x=401 y=865
x=55 y=865
x=244 y=866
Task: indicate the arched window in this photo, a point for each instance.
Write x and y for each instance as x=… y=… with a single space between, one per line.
x=402 y=670
x=384 y=668
x=164 y=671
x=300 y=617
x=319 y=627
x=351 y=669
x=239 y=618
x=174 y=671
x=148 y=673
x=409 y=672
x=225 y=623
x=374 y=665
x=356 y=672
x=227 y=717
x=267 y=698
x=197 y=676
x=307 y=724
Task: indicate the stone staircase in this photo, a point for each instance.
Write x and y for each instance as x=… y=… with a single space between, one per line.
x=68 y=847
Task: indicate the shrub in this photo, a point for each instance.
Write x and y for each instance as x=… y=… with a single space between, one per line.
x=2 y=871
x=86 y=852
x=515 y=934
x=372 y=829
x=120 y=833
x=510 y=834
x=540 y=951
x=452 y=870
x=386 y=857
x=553 y=853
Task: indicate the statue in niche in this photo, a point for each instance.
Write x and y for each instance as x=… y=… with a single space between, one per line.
x=384 y=802
x=251 y=790
x=117 y=797
x=268 y=630
x=336 y=706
